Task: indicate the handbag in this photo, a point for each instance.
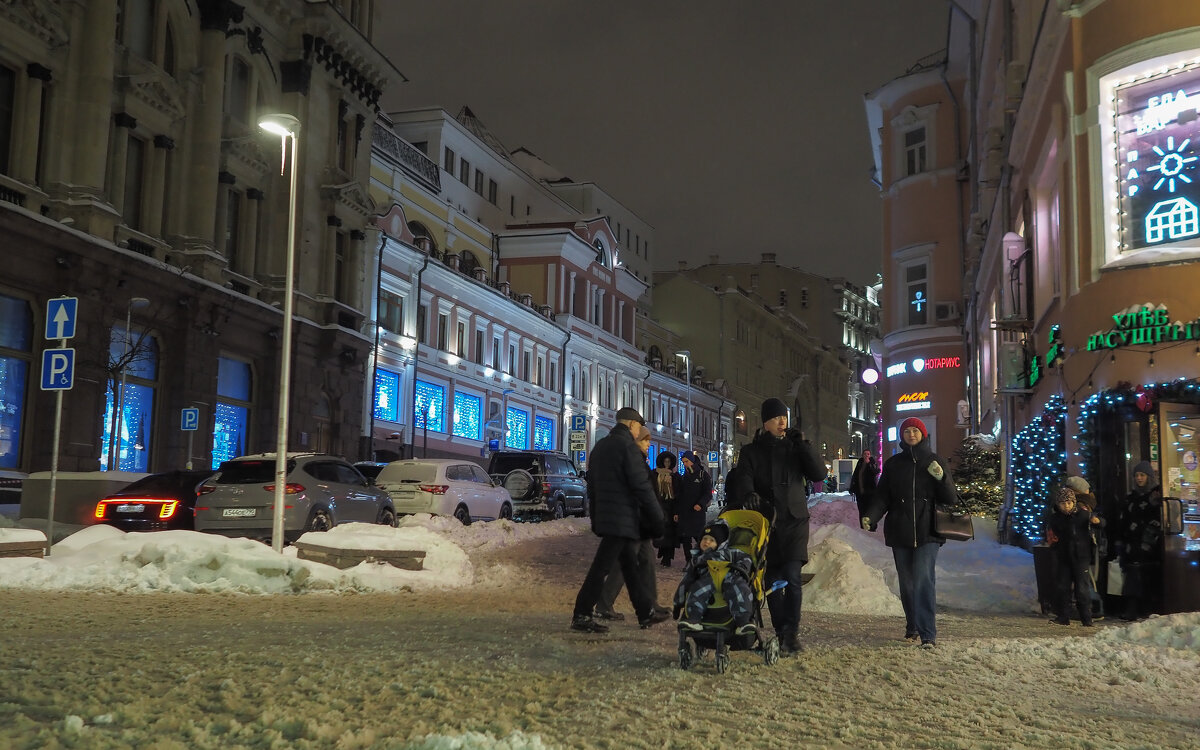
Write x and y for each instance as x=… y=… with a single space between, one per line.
x=956 y=527
x=1116 y=578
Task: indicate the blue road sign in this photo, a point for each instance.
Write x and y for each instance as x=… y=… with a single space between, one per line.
x=189 y=419
x=578 y=421
x=581 y=458
x=713 y=458
x=58 y=369
x=60 y=317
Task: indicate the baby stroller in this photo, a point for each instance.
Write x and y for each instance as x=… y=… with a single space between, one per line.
x=747 y=532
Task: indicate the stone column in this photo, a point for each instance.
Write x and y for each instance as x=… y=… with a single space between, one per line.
x=120 y=156
x=92 y=108
x=205 y=157
x=27 y=131
x=250 y=265
x=152 y=222
x=355 y=255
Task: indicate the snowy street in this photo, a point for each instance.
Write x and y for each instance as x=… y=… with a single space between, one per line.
x=89 y=660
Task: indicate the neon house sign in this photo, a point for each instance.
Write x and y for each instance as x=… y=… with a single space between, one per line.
x=1143 y=325
x=920 y=364
x=914 y=401
x=1157 y=162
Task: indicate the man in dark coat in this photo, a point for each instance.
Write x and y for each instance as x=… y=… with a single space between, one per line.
x=690 y=509
x=863 y=481
x=624 y=511
x=913 y=482
x=770 y=478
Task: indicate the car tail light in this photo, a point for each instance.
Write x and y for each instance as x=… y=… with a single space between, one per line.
x=545 y=488
x=291 y=488
x=168 y=509
x=204 y=489
x=100 y=508
x=434 y=489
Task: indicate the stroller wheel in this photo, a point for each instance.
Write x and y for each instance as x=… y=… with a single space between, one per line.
x=687 y=656
x=771 y=651
x=722 y=661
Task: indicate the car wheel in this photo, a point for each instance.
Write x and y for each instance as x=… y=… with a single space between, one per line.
x=387 y=517
x=560 y=510
x=506 y=511
x=320 y=520
x=463 y=515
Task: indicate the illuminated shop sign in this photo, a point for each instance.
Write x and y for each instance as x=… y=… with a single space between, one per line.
x=920 y=364
x=1143 y=325
x=913 y=401
x=1158 y=169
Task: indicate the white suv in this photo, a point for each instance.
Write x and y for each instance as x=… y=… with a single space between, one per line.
x=444 y=486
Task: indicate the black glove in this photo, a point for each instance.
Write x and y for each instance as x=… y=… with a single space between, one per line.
x=794 y=434
x=752 y=502
x=743 y=566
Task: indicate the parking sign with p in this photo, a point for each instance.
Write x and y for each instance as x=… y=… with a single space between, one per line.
x=58 y=369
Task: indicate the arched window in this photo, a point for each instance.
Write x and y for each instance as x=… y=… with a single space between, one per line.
x=423 y=236
x=467 y=262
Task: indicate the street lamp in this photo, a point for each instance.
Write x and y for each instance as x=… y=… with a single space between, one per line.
x=114 y=438
x=284 y=126
x=687 y=365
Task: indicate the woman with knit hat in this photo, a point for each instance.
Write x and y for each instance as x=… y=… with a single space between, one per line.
x=1139 y=536
x=770 y=479
x=913 y=482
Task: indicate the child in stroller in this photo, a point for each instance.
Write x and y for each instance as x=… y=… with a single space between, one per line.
x=722 y=594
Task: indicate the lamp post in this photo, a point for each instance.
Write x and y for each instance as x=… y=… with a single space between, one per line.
x=114 y=438
x=284 y=126
x=687 y=365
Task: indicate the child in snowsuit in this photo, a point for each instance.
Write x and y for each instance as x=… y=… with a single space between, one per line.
x=696 y=590
x=1069 y=532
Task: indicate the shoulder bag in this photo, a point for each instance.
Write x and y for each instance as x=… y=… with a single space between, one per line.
x=955 y=527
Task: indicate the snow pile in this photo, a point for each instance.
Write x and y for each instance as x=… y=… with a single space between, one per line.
x=10 y=534
x=1172 y=631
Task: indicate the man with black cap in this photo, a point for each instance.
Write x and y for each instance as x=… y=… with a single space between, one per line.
x=624 y=511
x=770 y=478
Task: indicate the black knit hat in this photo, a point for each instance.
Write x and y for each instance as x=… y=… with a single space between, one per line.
x=772 y=408
x=718 y=531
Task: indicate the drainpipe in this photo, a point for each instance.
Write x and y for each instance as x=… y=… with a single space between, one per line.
x=959 y=162
x=562 y=391
x=375 y=353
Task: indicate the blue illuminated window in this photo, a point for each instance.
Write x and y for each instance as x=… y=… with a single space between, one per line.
x=231 y=417
x=518 y=429
x=429 y=411
x=16 y=336
x=387 y=395
x=650 y=455
x=543 y=433
x=128 y=434
x=468 y=416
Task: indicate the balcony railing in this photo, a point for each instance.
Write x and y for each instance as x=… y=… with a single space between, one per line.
x=409 y=157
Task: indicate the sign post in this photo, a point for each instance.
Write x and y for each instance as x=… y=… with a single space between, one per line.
x=189 y=421
x=58 y=374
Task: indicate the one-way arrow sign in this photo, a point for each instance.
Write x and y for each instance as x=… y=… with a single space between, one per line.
x=60 y=317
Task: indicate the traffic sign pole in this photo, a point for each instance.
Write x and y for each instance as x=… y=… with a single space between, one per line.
x=54 y=462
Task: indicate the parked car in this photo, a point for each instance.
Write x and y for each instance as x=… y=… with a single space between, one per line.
x=444 y=486
x=542 y=484
x=166 y=500
x=321 y=492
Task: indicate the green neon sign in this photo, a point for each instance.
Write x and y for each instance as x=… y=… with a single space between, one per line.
x=1145 y=326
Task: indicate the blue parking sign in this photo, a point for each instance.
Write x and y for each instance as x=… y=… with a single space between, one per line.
x=578 y=421
x=713 y=457
x=58 y=369
x=189 y=419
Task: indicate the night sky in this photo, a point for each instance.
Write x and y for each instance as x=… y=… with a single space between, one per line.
x=733 y=128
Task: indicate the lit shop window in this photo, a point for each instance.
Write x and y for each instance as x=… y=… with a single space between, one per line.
x=543 y=433
x=518 y=429
x=430 y=407
x=1153 y=163
x=468 y=416
x=387 y=395
x=232 y=413
x=129 y=400
x=16 y=337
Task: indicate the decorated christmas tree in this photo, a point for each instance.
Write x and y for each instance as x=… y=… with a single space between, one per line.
x=976 y=467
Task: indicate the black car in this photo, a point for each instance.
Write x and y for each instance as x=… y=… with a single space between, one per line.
x=542 y=484
x=155 y=503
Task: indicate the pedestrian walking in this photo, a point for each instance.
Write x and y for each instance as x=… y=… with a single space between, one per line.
x=863 y=482
x=690 y=509
x=624 y=512
x=770 y=478
x=913 y=482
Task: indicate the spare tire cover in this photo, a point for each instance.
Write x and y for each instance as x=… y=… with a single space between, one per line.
x=520 y=485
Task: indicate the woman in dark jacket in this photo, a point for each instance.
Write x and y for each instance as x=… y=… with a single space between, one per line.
x=1139 y=534
x=864 y=481
x=690 y=509
x=770 y=479
x=913 y=482
x=666 y=487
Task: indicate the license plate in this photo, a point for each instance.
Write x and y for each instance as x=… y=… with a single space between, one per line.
x=238 y=512
x=131 y=508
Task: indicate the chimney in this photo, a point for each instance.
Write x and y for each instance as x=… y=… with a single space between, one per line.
x=768 y=258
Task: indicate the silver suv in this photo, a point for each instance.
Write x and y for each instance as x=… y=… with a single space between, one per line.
x=321 y=492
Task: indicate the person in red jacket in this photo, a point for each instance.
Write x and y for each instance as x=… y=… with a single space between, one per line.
x=913 y=482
